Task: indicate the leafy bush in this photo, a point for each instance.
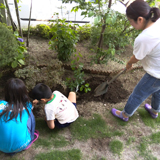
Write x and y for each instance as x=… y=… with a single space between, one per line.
x=11 y=50
x=84 y=32
x=117 y=35
x=103 y=56
x=43 y=30
x=19 y=60
x=78 y=75
x=118 y=32
x=64 y=39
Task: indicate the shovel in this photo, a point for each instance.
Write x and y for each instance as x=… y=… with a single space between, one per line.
x=103 y=87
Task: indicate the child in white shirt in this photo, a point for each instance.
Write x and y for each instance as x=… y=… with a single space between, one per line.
x=60 y=111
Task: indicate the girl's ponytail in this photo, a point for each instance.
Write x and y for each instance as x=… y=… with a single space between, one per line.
x=154 y=14
x=140 y=8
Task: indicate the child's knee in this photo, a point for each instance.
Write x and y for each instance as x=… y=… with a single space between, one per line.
x=72 y=97
x=72 y=93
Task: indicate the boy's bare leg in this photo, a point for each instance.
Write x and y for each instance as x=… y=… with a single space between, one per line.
x=72 y=97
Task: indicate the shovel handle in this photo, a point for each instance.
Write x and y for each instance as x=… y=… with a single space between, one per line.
x=116 y=76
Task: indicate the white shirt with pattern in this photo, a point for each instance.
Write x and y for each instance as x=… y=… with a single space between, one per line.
x=61 y=108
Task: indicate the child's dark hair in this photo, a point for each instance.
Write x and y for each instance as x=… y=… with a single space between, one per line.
x=140 y=8
x=41 y=91
x=17 y=97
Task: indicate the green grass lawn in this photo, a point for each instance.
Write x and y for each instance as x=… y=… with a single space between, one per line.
x=55 y=143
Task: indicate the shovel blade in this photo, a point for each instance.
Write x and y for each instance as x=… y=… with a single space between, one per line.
x=101 y=89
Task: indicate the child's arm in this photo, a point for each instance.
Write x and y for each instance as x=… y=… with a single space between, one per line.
x=35 y=102
x=51 y=124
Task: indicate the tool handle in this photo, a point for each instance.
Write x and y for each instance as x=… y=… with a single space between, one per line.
x=116 y=76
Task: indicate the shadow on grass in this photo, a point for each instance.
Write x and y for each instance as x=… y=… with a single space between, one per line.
x=82 y=129
x=95 y=127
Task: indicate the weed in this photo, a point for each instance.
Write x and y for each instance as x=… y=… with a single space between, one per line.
x=155 y=138
x=130 y=140
x=73 y=154
x=116 y=146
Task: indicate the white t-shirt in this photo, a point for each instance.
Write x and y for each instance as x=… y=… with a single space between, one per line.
x=147 y=49
x=61 y=108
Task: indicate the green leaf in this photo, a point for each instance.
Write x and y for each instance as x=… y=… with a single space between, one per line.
x=90 y=14
x=21 y=62
x=77 y=58
x=60 y=45
x=81 y=88
x=75 y=9
x=14 y=64
x=96 y=20
x=87 y=85
x=81 y=65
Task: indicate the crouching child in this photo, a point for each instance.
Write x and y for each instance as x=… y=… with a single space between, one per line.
x=60 y=111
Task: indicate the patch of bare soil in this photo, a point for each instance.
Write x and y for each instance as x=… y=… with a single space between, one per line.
x=116 y=96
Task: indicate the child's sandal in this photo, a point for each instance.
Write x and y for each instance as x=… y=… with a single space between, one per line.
x=148 y=108
x=119 y=116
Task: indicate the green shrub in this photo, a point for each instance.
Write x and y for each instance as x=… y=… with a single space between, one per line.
x=11 y=50
x=119 y=33
x=43 y=30
x=64 y=39
x=84 y=32
x=78 y=75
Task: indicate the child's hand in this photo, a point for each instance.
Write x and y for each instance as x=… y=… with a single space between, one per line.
x=35 y=102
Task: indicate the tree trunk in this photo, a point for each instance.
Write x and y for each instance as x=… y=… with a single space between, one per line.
x=18 y=18
x=9 y=14
x=102 y=32
x=3 y=15
x=29 y=25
